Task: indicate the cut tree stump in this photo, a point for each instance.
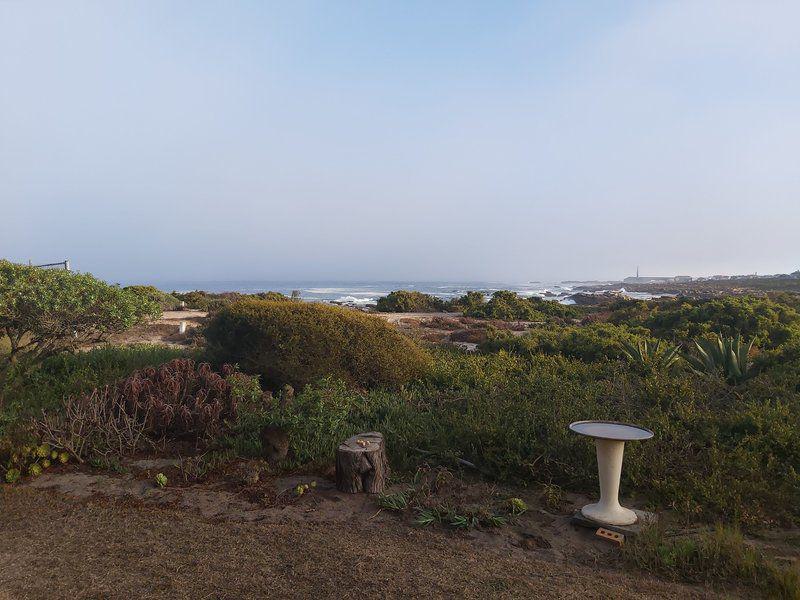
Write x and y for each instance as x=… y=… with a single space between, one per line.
x=361 y=464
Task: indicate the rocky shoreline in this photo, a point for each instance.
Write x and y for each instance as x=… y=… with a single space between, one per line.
x=700 y=289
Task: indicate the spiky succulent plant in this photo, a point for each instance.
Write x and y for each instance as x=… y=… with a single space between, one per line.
x=34 y=470
x=42 y=451
x=645 y=355
x=46 y=463
x=63 y=458
x=12 y=475
x=728 y=358
x=161 y=480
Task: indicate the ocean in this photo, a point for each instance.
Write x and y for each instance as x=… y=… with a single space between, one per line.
x=368 y=292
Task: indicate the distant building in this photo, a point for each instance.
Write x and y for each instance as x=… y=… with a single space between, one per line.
x=643 y=279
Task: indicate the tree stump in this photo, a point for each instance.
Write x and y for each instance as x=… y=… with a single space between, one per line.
x=361 y=464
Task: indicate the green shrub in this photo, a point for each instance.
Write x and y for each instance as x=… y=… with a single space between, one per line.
x=273 y=296
x=164 y=300
x=196 y=300
x=403 y=301
x=509 y=306
x=297 y=343
x=470 y=303
x=47 y=311
x=720 y=556
x=591 y=342
x=63 y=375
x=718 y=452
x=214 y=301
x=768 y=322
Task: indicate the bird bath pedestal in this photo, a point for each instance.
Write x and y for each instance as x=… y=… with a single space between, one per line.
x=609 y=438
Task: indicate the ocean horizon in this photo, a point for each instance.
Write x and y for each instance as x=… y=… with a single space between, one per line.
x=368 y=292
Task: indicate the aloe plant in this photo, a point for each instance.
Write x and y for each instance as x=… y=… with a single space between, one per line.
x=726 y=357
x=651 y=355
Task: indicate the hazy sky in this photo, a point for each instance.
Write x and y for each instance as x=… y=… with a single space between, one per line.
x=400 y=140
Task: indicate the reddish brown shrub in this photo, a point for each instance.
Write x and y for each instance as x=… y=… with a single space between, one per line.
x=179 y=399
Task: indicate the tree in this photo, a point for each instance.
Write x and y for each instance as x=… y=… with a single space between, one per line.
x=45 y=311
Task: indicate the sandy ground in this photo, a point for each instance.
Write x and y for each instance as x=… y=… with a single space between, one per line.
x=57 y=544
x=164 y=330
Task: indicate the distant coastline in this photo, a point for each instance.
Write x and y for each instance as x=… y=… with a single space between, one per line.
x=366 y=293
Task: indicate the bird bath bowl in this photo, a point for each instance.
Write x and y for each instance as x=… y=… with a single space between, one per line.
x=609 y=439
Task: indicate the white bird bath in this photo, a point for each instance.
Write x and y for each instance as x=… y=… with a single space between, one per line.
x=609 y=438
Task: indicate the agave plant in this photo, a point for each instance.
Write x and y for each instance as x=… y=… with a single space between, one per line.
x=726 y=357
x=651 y=355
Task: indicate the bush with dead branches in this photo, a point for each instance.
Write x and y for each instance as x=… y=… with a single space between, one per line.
x=178 y=400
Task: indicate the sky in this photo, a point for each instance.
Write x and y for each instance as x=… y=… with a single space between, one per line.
x=457 y=141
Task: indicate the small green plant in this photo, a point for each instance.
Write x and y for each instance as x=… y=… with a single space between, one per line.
x=304 y=488
x=397 y=501
x=426 y=517
x=517 y=506
x=108 y=463
x=646 y=355
x=553 y=496
x=495 y=520
x=725 y=357
x=463 y=521
x=161 y=480
x=458 y=518
x=12 y=475
x=196 y=468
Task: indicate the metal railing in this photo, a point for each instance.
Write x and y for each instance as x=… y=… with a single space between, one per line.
x=64 y=264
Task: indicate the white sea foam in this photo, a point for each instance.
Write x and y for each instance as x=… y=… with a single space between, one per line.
x=354 y=300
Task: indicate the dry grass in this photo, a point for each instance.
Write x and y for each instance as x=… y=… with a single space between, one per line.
x=55 y=547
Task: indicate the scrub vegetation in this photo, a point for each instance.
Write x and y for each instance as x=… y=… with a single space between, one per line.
x=718 y=381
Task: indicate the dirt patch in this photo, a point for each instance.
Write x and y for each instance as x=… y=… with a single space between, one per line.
x=56 y=546
x=164 y=330
x=546 y=535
